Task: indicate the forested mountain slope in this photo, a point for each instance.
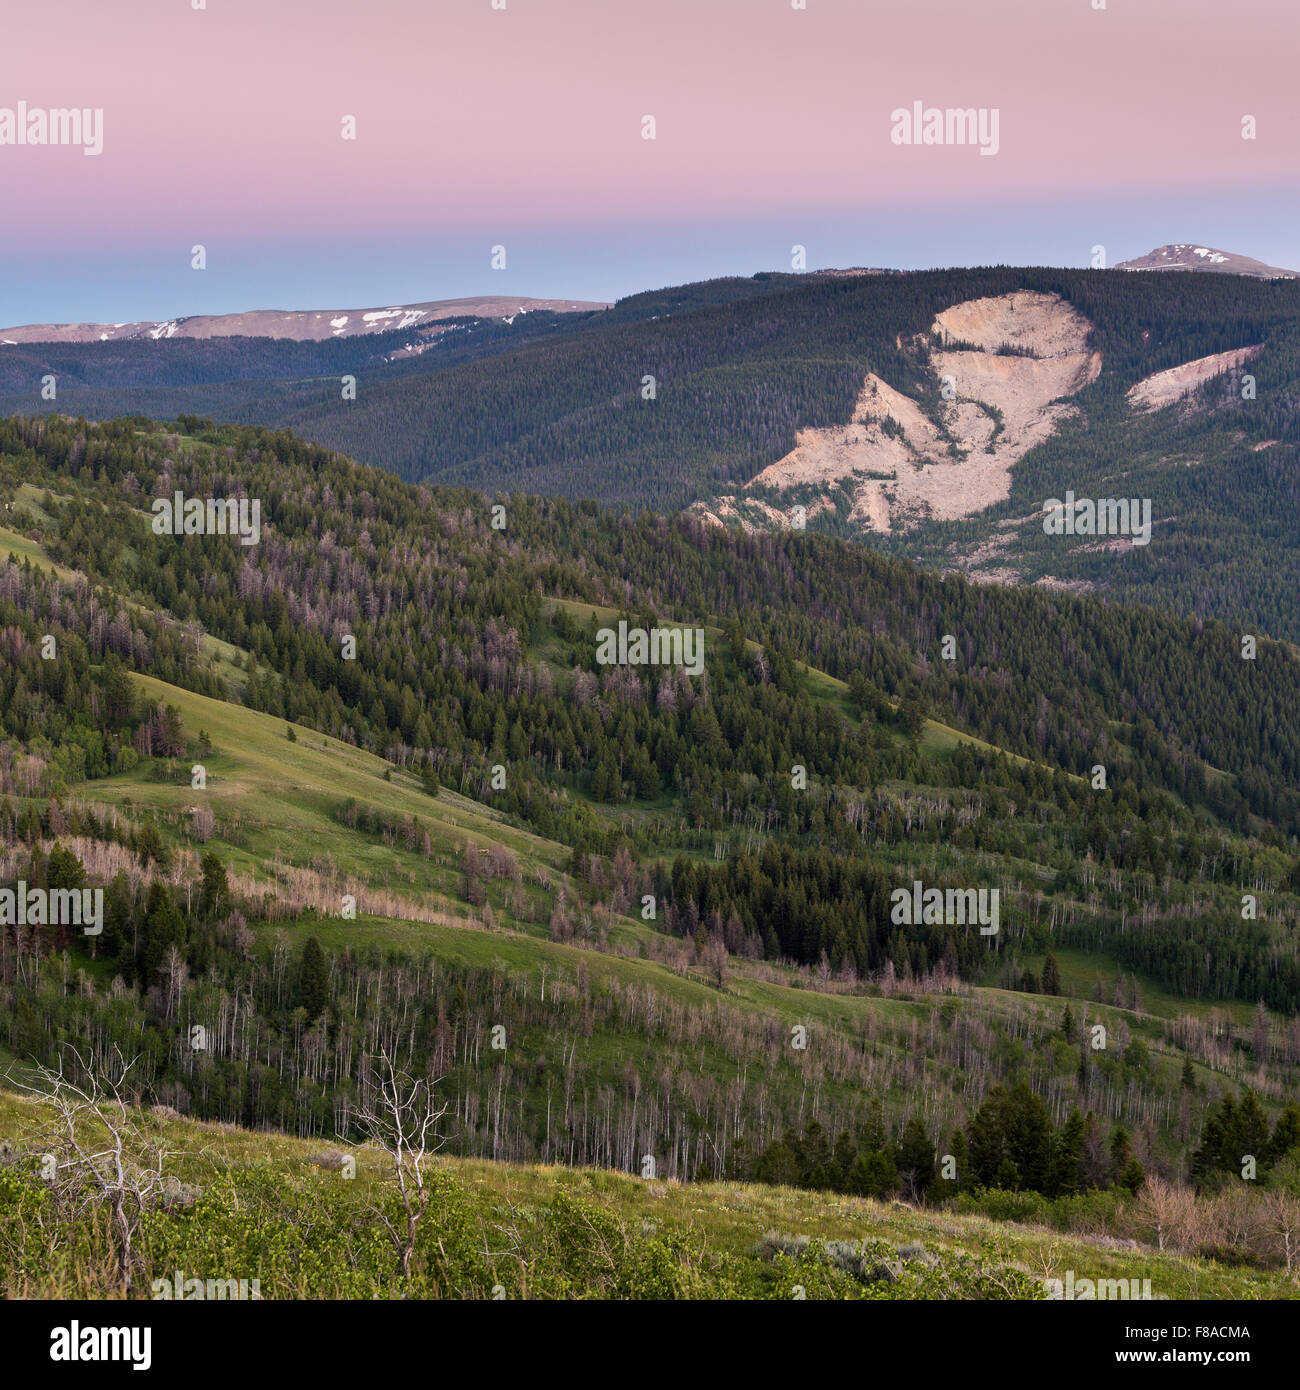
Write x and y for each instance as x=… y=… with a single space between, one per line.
x=863 y=399
x=427 y=809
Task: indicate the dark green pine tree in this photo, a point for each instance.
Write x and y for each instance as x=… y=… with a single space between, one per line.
x=961 y=1160
x=987 y=1136
x=1029 y=1137
x=1286 y=1134
x=916 y=1158
x=164 y=927
x=1068 y=1155
x=874 y=1174
x=817 y=1159
x=1126 y=1171
x=1007 y=1177
x=214 y=891
x=1132 y=1175
x=842 y=1159
x=117 y=919
x=313 y=983
x=1213 y=1153
x=777 y=1165
x=1051 y=975
x=1252 y=1130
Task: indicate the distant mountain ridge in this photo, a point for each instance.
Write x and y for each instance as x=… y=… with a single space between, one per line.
x=1187 y=255
x=931 y=413
x=301 y=325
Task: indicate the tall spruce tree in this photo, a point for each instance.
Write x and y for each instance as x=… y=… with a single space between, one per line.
x=313 y=980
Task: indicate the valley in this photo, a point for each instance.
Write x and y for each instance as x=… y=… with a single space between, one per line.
x=672 y=900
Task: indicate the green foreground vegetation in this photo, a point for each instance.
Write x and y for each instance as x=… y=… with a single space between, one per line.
x=612 y=917
x=300 y=1219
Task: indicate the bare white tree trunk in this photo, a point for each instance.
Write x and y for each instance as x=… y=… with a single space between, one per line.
x=398 y=1115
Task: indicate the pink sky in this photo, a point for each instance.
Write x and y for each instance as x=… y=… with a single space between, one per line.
x=222 y=126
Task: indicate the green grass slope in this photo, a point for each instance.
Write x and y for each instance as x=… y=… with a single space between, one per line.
x=301 y=1219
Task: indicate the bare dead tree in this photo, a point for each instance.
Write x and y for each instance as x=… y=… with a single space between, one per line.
x=1168 y=1211
x=1281 y=1221
x=204 y=823
x=716 y=960
x=400 y=1116
x=95 y=1153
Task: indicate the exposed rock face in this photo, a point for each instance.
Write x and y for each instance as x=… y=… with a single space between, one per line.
x=1164 y=388
x=904 y=464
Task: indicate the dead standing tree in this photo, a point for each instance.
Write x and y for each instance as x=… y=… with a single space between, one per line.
x=95 y=1153
x=399 y=1116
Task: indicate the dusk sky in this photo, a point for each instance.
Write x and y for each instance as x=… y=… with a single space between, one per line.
x=523 y=127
